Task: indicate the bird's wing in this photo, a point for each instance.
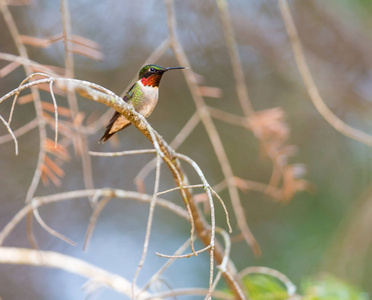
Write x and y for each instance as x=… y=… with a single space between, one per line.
x=114 y=117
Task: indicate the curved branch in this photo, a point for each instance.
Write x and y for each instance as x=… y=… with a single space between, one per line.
x=36 y=202
x=309 y=82
x=22 y=256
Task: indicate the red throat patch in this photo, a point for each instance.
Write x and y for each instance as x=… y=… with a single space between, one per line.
x=152 y=80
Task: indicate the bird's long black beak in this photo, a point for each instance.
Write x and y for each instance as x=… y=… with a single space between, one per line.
x=175 y=68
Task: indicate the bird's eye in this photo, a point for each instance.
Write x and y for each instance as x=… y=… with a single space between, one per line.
x=152 y=70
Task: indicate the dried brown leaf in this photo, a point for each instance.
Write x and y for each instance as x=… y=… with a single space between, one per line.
x=50 y=176
x=209 y=91
x=59 y=151
x=63 y=111
x=25 y=99
x=53 y=166
x=292 y=183
x=269 y=124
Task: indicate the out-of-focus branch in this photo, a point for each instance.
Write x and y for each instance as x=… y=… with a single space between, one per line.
x=241 y=87
x=291 y=288
x=25 y=61
x=20 y=131
x=9 y=20
x=151 y=213
x=79 y=139
x=21 y=256
x=218 y=148
x=212 y=132
x=309 y=82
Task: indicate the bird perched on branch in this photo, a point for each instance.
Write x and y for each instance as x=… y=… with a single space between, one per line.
x=143 y=96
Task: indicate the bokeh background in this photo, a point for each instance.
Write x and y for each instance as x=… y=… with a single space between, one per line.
x=326 y=230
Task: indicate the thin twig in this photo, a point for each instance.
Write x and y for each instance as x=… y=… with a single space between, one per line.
x=122 y=153
x=186 y=200
x=223 y=266
x=156 y=275
x=159 y=155
x=213 y=221
x=55 y=113
x=187 y=255
x=20 y=131
x=207 y=189
x=28 y=78
x=11 y=133
x=50 y=230
x=224 y=208
x=181 y=187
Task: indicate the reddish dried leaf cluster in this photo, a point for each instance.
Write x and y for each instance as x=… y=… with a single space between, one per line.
x=272 y=131
x=51 y=168
x=56 y=155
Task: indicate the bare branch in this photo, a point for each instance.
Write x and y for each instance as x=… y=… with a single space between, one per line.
x=155 y=276
x=236 y=63
x=11 y=133
x=188 y=255
x=55 y=113
x=50 y=230
x=21 y=256
x=20 y=131
x=123 y=153
x=181 y=187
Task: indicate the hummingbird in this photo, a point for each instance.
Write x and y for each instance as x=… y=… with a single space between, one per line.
x=143 y=96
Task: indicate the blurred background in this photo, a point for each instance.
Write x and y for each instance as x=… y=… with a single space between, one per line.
x=327 y=230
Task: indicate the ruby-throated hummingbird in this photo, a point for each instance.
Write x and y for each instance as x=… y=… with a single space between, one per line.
x=143 y=95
